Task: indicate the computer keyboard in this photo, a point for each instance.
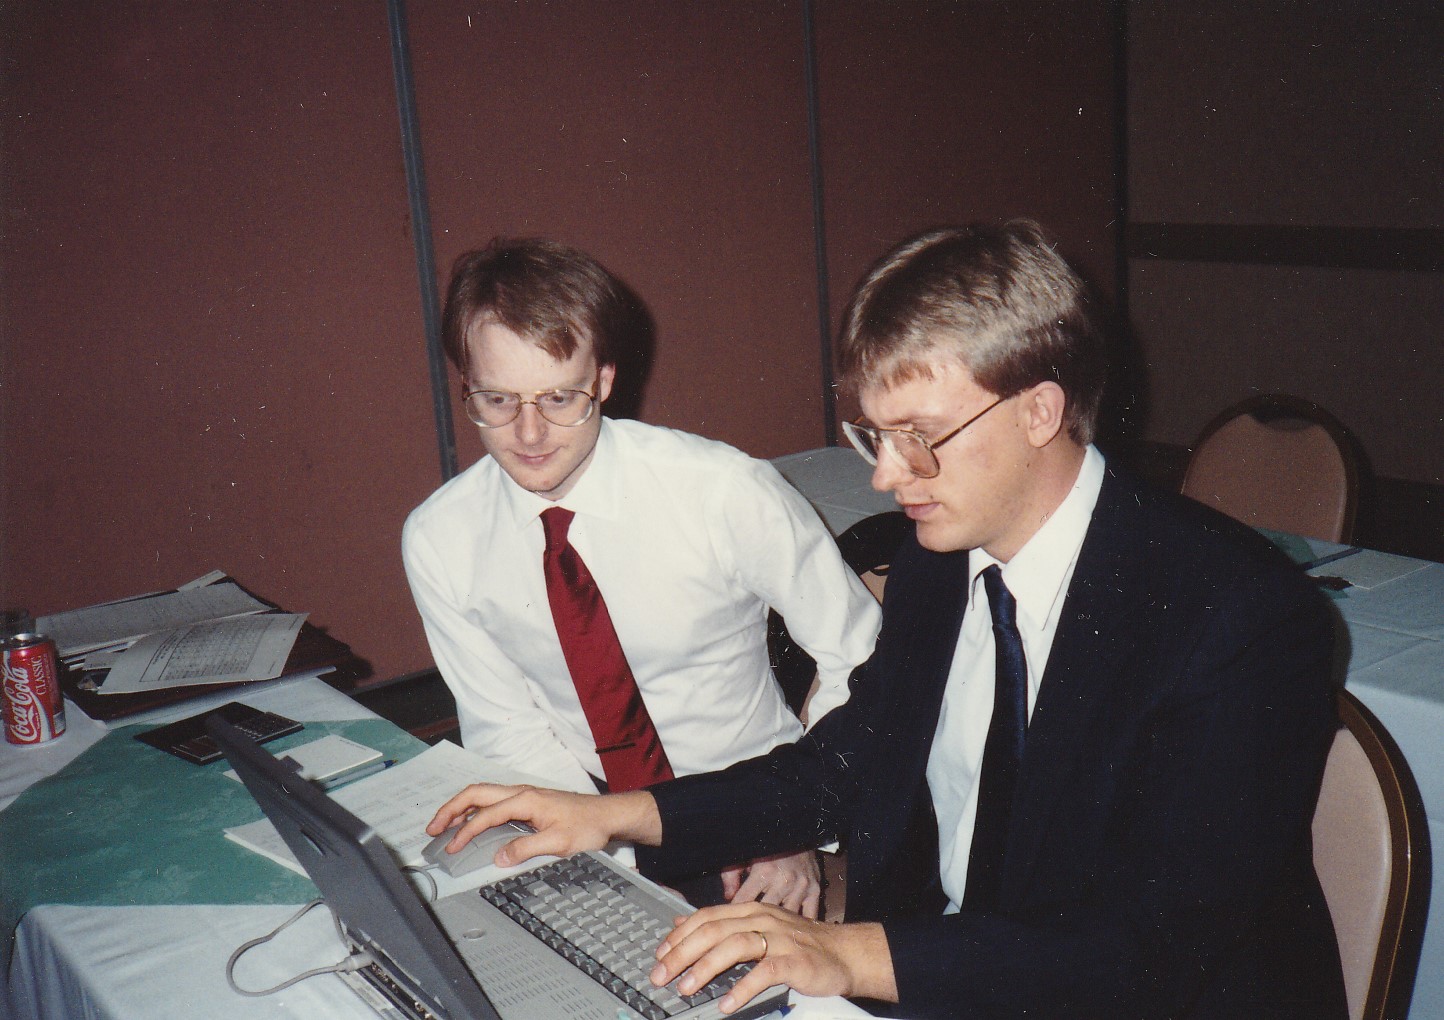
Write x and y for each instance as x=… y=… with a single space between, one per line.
x=605 y=926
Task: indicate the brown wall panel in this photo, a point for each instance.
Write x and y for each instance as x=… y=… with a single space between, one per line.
x=948 y=113
x=1315 y=121
x=669 y=140
x=211 y=319
x=212 y=331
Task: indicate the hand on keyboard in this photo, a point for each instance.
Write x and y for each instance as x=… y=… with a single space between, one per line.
x=813 y=957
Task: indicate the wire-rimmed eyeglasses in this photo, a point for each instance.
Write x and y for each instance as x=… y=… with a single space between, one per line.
x=911 y=449
x=493 y=409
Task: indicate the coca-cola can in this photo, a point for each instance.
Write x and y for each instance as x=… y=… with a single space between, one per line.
x=34 y=709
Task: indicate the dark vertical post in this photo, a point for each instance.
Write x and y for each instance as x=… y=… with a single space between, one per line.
x=421 y=234
x=819 y=236
x=1120 y=152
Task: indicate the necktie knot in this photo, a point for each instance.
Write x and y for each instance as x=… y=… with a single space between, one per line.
x=556 y=520
x=1000 y=600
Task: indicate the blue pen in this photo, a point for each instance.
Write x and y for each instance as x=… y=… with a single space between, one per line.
x=360 y=772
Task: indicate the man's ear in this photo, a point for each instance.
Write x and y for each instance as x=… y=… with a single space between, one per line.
x=606 y=375
x=1043 y=410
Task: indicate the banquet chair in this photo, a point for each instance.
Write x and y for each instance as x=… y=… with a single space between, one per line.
x=1371 y=852
x=1281 y=463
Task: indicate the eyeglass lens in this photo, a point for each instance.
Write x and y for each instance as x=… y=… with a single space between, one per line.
x=495 y=408
x=905 y=446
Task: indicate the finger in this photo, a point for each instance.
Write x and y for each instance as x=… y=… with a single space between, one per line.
x=751 y=912
x=760 y=879
x=447 y=814
x=474 y=796
x=732 y=948
x=695 y=934
x=509 y=806
x=545 y=841
x=812 y=904
x=794 y=898
x=764 y=975
x=732 y=880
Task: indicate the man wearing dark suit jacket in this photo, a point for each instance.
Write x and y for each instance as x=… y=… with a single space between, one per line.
x=1077 y=775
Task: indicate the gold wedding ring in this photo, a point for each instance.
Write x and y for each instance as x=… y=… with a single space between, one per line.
x=764 y=944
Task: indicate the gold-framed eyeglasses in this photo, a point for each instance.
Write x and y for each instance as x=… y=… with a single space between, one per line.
x=494 y=409
x=911 y=449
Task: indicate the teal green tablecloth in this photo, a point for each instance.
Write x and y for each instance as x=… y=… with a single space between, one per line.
x=125 y=824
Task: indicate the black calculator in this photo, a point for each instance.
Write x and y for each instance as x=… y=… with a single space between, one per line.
x=188 y=739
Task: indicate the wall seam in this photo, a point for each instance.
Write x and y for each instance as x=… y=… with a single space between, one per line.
x=421 y=235
x=819 y=233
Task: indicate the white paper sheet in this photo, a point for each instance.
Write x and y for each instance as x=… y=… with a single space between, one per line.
x=330 y=756
x=221 y=651
x=1371 y=568
x=97 y=626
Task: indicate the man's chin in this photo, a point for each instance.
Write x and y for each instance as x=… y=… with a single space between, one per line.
x=547 y=482
x=540 y=480
x=936 y=537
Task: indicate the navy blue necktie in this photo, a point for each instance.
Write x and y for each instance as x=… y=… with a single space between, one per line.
x=1003 y=752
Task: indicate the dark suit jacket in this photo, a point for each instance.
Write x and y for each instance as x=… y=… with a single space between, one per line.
x=1159 y=861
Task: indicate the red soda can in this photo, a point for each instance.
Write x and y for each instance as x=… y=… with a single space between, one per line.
x=34 y=709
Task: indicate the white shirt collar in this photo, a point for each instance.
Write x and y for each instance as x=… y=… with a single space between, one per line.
x=1037 y=572
x=597 y=491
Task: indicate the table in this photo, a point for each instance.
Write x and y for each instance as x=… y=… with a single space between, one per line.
x=1393 y=659
x=122 y=962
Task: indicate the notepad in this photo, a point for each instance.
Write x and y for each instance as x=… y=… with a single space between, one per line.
x=329 y=756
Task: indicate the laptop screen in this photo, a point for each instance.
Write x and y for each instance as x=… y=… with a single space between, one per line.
x=361 y=883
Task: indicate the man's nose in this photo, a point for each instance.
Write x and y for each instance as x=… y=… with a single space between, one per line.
x=531 y=427
x=889 y=472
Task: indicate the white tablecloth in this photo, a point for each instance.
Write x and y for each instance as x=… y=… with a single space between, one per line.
x=140 y=963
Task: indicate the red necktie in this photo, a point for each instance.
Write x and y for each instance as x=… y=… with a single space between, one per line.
x=627 y=742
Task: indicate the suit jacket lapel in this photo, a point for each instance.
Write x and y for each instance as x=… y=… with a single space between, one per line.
x=1090 y=646
x=930 y=610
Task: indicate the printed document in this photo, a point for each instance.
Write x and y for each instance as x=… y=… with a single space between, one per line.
x=221 y=651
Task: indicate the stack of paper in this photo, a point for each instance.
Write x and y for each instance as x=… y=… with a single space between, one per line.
x=208 y=631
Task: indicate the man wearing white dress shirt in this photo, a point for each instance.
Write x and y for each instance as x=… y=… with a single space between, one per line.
x=690 y=542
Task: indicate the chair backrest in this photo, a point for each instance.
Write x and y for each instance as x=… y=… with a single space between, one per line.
x=1371 y=853
x=1281 y=463
x=867 y=547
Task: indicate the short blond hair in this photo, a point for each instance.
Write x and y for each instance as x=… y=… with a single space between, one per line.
x=997 y=300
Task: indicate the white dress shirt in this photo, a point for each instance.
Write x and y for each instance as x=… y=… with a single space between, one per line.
x=690 y=542
x=1038 y=576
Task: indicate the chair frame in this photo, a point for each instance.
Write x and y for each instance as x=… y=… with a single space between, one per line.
x=1268 y=407
x=1391 y=983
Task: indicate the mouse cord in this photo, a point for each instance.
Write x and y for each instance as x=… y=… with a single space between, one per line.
x=352 y=963
x=425 y=872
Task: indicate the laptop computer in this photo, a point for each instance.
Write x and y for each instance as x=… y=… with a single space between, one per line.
x=463 y=957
